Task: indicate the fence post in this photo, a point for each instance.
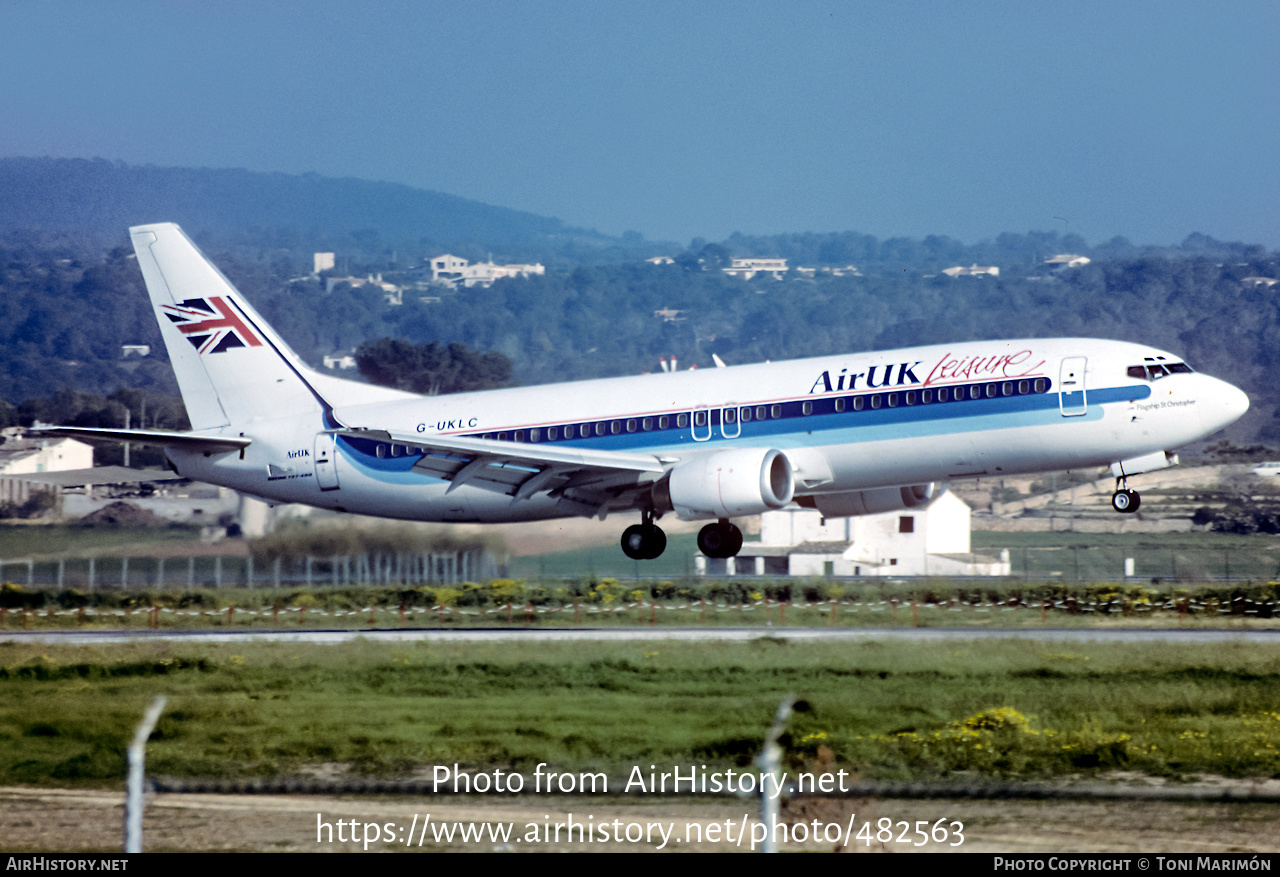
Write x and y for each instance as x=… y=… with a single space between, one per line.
x=133 y=793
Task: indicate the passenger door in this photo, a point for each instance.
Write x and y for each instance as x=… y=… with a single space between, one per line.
x=1071 y=390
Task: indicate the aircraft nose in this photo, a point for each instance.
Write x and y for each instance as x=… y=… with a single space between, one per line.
x=1222 y=406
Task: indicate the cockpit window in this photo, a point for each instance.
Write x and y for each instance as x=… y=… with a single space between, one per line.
x=1154 y=371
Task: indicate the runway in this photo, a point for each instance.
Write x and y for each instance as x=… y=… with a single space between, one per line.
x=685 y=634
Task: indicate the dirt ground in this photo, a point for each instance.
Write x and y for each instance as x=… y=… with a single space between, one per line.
x=44 y=820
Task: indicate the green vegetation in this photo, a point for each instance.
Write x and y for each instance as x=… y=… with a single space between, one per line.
x=606 y=602
x=879 y=709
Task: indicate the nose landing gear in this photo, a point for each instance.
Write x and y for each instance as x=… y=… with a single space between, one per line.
x=1124 y=500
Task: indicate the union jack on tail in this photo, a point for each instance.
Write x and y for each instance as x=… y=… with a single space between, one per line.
x=211 y=325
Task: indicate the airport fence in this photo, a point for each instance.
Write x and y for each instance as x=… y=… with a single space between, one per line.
x=230 y=571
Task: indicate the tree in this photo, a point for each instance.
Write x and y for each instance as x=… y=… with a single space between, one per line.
x=431 y=369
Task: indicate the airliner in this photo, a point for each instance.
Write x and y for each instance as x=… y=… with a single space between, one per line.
x=848 y=434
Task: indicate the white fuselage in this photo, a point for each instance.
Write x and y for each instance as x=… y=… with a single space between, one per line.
x=848 y=422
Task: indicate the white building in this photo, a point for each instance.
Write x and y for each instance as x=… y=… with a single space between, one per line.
x=914 y=542
x=972 y=271
x=748 y=268
x=447 y=268
x=24 y=456
x=453 y=270
x=321 y=262
x=1068 y=260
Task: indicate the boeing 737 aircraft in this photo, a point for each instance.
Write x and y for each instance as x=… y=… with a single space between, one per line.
x=849 y=434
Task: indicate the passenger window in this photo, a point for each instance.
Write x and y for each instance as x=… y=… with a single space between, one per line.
x=535 y=435
x=893 y=400
x=858 y=402
x=1023 y=386
x=682 y=420
x=943 y=394
x=646 y=424
x=600 y=428
x=775 y=412
x=875 y=401
x=839 y=405
x=807 y=408
x=700 y=418
x=663 y=421
x=380 y=451
x=568 y=431
x=615 y=427
x=746 y=415
x=502 y=436
x=1041 y=385
x=518 y=435
x=730 y=415
x=631 y=426
x=396 y=450
x=990 y=390
x=926 y=396
x=551 y=433
x=975 y=391
x=759 y=412
x=1006 y=389
x=910 y=397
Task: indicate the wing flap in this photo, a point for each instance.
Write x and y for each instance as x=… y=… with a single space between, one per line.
x=521 y=470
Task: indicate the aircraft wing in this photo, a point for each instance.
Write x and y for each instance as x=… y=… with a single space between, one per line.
x=158 y=437
x=521 y=470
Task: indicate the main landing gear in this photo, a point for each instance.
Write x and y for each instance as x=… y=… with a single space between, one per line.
x=644 y=541
x=720 y=539
x=1124 y=500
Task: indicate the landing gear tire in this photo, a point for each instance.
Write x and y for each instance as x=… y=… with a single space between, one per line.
x=1126 y=501
x=643 y=541
x=720 y=540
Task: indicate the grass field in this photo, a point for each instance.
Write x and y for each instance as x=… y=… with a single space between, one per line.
x=880 y=710
x=42 y=541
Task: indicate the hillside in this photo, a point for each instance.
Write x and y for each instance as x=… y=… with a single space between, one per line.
x=71 y=295
x=304 y=212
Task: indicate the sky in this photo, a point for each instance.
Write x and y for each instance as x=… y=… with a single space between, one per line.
x=1148 y=120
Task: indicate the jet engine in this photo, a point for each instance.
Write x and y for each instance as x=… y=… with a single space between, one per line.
x=743 y=481
x=871 y=502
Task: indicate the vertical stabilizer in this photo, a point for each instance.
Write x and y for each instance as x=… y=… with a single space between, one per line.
x=231 y=366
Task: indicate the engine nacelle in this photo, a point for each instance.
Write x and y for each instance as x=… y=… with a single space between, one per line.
x=872 y=502
x=743 y=481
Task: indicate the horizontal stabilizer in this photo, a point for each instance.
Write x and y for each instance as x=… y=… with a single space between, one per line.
x=161 y=438
x=102 y=475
